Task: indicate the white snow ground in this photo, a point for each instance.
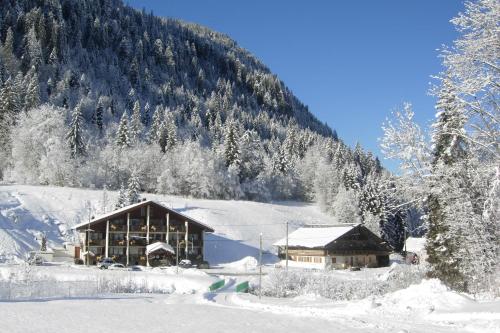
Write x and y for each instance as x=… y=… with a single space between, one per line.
x=426 y=307
x=26 y=210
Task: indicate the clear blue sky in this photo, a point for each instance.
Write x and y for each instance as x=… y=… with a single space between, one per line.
x=352 y=62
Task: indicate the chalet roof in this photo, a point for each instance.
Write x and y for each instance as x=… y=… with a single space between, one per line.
x=315 y=236
x=132 y=207
x=415 y=244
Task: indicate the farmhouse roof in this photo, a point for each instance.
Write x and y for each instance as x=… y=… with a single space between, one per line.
x=316 y=236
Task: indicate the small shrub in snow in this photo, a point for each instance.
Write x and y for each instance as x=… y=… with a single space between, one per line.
x=329 y=284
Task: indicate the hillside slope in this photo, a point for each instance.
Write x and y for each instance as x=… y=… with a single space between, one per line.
x=26 y=211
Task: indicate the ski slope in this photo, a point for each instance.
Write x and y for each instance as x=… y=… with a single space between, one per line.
x=25 y=211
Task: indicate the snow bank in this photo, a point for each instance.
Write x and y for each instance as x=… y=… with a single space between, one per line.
x=423 y=298
x=428 y=296
x=79 y=280
x=245 y=264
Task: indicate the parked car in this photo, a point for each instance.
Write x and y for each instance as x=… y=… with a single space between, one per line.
x=36 y=260
x=135 y=268
x=116 y=266
x=355 y=268
x=185 y=263
x=105 y=263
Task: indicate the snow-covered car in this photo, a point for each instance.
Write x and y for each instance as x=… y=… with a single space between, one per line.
x=105 y=263
x=116 y=266
x=36 y=260
x=185 y=263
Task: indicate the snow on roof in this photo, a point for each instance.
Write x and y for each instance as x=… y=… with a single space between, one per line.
x=131 y=207
x=415 y=245
x=159 y=246
x=315 y=236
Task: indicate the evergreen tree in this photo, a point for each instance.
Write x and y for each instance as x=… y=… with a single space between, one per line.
x=231 y=149
x=167 y=133
x=133 y=189
x=280 y=162
x=449 y=144
x=122 y=198
x=98 y=114
x=443 y=238
x=154 y=130
x=34 y=48
x=75 y=134
x=136 y=126
x=43 y=242
x=122 y=134
x=8 y=52
x=32 y=98
x=146 y=117
x=9 y=106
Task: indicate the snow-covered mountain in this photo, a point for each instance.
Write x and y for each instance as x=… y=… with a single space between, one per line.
x=26 y=211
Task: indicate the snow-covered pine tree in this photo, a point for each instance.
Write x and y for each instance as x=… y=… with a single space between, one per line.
x=133 y=189
x=450 y=152
x=280 y=163
x=172 y=133
x=167 y=133
x=32 y=97
x=251 y=155
x=449 y=145
x=136 y=127
x=146 y=116
x=122 y=198
x=21 y=91
x=34 y=48
x=98 y=114
x=231 y=148
x=154 y=129
x=43 y=242
x=8 y=52
x=122 y=134
x=75 y=134
x=9 y=106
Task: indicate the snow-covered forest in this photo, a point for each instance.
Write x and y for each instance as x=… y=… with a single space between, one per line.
x=451 y=171
x=96 y=94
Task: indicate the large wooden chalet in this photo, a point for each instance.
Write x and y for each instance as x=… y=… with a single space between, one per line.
x=335 y=246
x=124 y=235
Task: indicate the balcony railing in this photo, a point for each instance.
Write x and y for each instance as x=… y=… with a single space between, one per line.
x=117 y=227
x=97 y=242
x=118 y=242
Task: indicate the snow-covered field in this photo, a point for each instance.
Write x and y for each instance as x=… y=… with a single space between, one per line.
x=183 y=304
x=28 y=210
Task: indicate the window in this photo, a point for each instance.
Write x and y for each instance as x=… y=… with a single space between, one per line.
x=334 y=260
x=116 y=251
x=317 y=260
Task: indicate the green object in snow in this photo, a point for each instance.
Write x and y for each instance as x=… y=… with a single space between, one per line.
x=242 y=287
x=216 y=285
